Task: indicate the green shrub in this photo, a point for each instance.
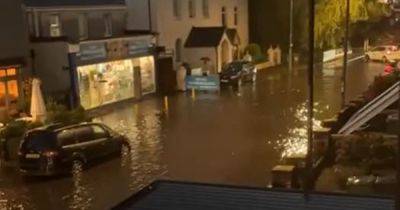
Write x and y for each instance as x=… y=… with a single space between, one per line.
x=16 y=129
x=255 y=51
x=57 y=113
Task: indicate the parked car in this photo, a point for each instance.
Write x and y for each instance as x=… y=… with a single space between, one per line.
x=56 y=149
x=237 y=72
x=384 y=53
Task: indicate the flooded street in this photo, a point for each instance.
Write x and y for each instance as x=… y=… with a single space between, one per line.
x=228 y=138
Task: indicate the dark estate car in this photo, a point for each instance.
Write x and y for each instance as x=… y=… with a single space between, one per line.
x=56 y=149
x=237 y=72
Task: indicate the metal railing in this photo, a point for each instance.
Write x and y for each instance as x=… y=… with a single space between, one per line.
x=372 y=109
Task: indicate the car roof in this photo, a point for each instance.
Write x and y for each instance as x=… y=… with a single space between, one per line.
x=56 y=127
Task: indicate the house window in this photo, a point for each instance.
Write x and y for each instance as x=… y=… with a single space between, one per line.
x=108 y=24
x=9 y=89
x=192 y=8
x=177 y=8
x=206 y=9
x=236 y=16
x=178 y=50
x=55 y=25
x=223 y=16
x=83 y=26
x=31 y=26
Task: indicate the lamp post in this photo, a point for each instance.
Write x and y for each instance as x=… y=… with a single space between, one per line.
x=309 y=157
x=290 y=59
x=345 y=56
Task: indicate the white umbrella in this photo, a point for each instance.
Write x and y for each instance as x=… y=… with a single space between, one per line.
x=38 y=107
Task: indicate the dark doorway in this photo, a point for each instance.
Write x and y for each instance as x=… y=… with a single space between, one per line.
x=166 y=76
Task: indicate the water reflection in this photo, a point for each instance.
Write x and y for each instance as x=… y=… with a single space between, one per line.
x=143 y=163
x=81 y=197
x=295 y=141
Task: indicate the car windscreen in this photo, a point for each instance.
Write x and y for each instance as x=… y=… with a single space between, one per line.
x=232 y=68
x=39 y=141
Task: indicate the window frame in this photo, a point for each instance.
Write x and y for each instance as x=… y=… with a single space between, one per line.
x=176 y=9
x=83 y=24
x=55 y=29
x=236 y=16
x=108 y=25
x=206 y=8
x=223 y=16
x=192 y=8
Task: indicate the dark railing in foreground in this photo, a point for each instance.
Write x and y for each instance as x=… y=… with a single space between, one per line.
x=189 y=195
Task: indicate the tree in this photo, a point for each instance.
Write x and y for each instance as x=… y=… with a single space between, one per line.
x=330 y=18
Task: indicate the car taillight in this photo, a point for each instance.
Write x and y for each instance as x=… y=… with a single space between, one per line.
x=50 y=154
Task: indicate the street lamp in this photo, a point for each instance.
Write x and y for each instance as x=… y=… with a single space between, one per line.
x=309 y=158
x=291 y=38
x=345 y=56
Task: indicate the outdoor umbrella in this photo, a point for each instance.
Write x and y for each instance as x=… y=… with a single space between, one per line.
x=38 y=107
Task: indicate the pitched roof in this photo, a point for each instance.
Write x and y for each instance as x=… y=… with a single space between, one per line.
x=233 y=35
x=168 y=195
x=57 y=3
x=205 y=37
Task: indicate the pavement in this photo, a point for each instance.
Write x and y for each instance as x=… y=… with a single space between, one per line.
x=231 y=137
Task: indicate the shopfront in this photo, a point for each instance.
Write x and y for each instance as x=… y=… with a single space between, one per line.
x=112 y=77
x=9 y=91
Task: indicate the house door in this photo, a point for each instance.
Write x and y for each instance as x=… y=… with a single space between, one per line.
x=166 y=76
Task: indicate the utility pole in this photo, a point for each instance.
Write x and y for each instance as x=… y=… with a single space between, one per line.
x=290 y=57
x=310 y=150
x=345 y=56
x=398 y=152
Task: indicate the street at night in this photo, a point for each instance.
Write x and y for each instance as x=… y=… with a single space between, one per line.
x=199 y=104
x=226 y=138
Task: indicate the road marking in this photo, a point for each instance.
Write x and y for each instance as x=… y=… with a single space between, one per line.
x=355 y=59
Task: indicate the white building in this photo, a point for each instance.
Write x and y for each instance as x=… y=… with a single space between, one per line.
x=175 y=20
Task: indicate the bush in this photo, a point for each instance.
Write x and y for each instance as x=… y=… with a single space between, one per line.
x=16 y=129
x=57 y=113
x=255 y=51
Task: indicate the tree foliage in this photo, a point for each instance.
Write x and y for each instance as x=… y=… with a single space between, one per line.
x=331 y=16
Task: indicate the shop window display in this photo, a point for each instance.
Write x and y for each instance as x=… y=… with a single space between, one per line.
x=104 y=83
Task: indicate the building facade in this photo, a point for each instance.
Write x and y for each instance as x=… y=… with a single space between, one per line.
x=174 y=21
x=14 y=57
x=85 y=55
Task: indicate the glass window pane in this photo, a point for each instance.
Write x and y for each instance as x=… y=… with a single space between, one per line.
x=3 y=73
x=105 y=83
x=2 y=94
x=12 y=86
x=11 y=72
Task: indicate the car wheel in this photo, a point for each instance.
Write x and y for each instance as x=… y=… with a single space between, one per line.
x=77 y=166
x=384 y=59
x=367 y=58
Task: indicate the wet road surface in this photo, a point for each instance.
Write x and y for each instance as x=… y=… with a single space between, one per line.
x=228 y=138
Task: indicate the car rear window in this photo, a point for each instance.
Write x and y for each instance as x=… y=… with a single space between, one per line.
x=39 y=140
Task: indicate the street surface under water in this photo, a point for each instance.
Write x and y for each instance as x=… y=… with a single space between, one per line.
x=229 y=138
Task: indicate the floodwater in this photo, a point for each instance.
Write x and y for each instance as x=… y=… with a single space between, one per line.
x=228 y=137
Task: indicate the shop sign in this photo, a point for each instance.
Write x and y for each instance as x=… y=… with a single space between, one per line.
x=139 y=47
x=92 y=51
x=203 y=82
x=117 y=49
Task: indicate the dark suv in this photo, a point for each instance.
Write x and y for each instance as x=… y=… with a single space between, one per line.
x=56 y=149
x=237 y=72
